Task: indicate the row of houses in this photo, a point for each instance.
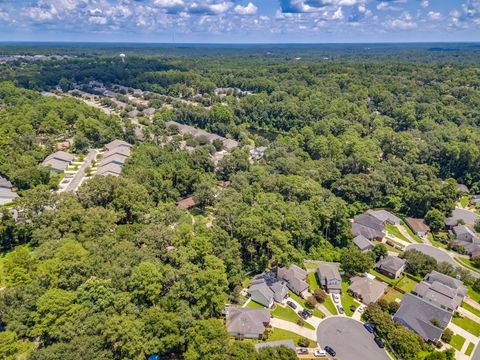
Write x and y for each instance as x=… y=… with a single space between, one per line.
x=429 y=308
x=7 y=194
x=116 y=154
x=59 y=161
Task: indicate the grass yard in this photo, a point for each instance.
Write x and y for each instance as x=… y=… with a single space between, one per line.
x=392 y=295
x=457 y=341
x=310 y=265
x=467 y=324
x=347 y=299
x=330 y=306
x=470 y=348
x=288 y=314
x=254 y=305
x=280 y=334
x=312 y=281
x=473 y=294
x=406 y=284
x=391 y=248
x=467 y=263
x=304 y=304
x=395 y=232
x=470 y=308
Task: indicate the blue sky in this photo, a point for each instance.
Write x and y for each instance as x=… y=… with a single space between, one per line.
x=240 y=21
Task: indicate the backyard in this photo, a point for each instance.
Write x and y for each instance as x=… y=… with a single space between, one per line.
x=392 y=295
x=406 y=284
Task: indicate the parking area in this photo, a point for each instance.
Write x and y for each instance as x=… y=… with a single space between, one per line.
x=349 y=339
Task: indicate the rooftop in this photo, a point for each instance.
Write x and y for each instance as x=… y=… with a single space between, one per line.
x=417 y=225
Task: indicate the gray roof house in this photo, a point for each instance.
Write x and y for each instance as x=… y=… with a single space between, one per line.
x=368 y=226
x=114 y=159
x=149 y=111
x=384 y=216
x=418 y=315
x=258 y=291
x=58 y=161
x=246 y=323
x=62 y=156
x=116 y=143
x=110 y=169
x=367 y=290
x=261 y=293
x=466 y=233
x=391 y=266
x=287 y=343
x=329 y=277
x=4 y=183
x=295 y=278
x=363 y=243
x=7 y=196
x=120 y=150
x=449 y=281
x=468 y=217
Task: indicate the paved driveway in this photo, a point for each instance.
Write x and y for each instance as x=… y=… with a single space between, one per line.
x=77 y=179
x=349 y=339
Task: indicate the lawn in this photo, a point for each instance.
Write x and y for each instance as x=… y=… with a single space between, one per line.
x=288 y=314
x=469 y=350
x=395 y=232
x=254 y=305
x=467 y=324
x=467 y=263
x=347 y=299
x=312 y=281
x=457 y=341
x=406 y=284
x=391 y=248
x=473 y=294
x=470 y=308
x=330 y=306
x=280 y=334
x=304 y=304
x=310 y=265
x=392 y=295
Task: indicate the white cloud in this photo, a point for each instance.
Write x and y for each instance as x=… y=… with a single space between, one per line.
x=338 y=15
x=435 y=15
x=424 y=3
x=400 y=24
x=250 y=9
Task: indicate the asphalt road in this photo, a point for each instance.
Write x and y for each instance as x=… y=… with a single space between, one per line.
x=439 y=255
x=73 y=185
x=349 y=339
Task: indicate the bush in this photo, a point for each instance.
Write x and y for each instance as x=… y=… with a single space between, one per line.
x=303 y=342
x=320 y=295
x=447 y=336
x=311 y=301
x=301 y=322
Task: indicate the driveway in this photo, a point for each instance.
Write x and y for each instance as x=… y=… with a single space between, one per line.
x=77 y=179
x=349 y=339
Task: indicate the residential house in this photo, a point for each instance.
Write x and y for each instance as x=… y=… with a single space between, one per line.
x=367 y=290
x=391 y=266
x=277 y=289
x=110 y=169
x=461 y=216
x=4 y=183
x=7 y=195
x=59 y=161
x=368 y=226
x=466 y=234
x=329 y=277
x=423 y=317
x=384 y=216
x=449 y=281
x=363 y=243
x=246 y=323
x=149 y=111
x=287 y=343
x=117 y=159
x=295 y=278
x=187 y=203
x=120 y=150
x=418 y=226
x=116 y=144
x=439 y=294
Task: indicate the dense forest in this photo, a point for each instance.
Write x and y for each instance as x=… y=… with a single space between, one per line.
x=116 y=271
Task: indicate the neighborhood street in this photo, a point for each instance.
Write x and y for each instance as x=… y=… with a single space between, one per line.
x=77 y=179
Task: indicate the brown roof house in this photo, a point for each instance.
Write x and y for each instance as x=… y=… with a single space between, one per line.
x=187 y=203
x=295 y=278
x=391 y=266
x=418 y=226
x=329 y=277
x=247 y=323
x=367 y=290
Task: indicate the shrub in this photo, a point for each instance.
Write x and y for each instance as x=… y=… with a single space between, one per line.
x=311 y=301
x=303 y=342
x=447 y=335
x=320 y=295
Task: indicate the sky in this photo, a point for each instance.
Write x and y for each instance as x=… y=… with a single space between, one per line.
x=240 y=21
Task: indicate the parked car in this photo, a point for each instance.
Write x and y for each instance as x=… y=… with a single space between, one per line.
x=336 y=298
x=330 y=351
x=319 y=353
x=361 y=309
x=379 y=342
x=308 y=312
x=340 y=309
x=291 y=304
x=369 y=328
x=302 y=314
x=302 y=351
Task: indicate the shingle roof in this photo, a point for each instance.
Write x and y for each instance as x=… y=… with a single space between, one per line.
x=119 y=150
x=56 y=164
x=4 y=183
x=62 y=156
x=390 y=264
x=330 y=271
x=465 y=230
x=362 y=242
x=468 y=217
x=369 y=233
x=462 y=188
x=186 y=203
x=439 y=294
x=417 y=225
x=6 y=193
x=446 y=280
x=116 y=143
x=246 y=321
x=116 y=158
x=110 y=169
x=294 y=276
x=384 y=215
x=263 y=289
x=369 y=221
x=370 y=290
x=417 y=314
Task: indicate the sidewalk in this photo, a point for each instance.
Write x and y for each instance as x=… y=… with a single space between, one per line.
x=460 y=355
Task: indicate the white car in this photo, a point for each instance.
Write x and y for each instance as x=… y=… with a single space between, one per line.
x=319 y=353
x=361 y=309
x=336 y=298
